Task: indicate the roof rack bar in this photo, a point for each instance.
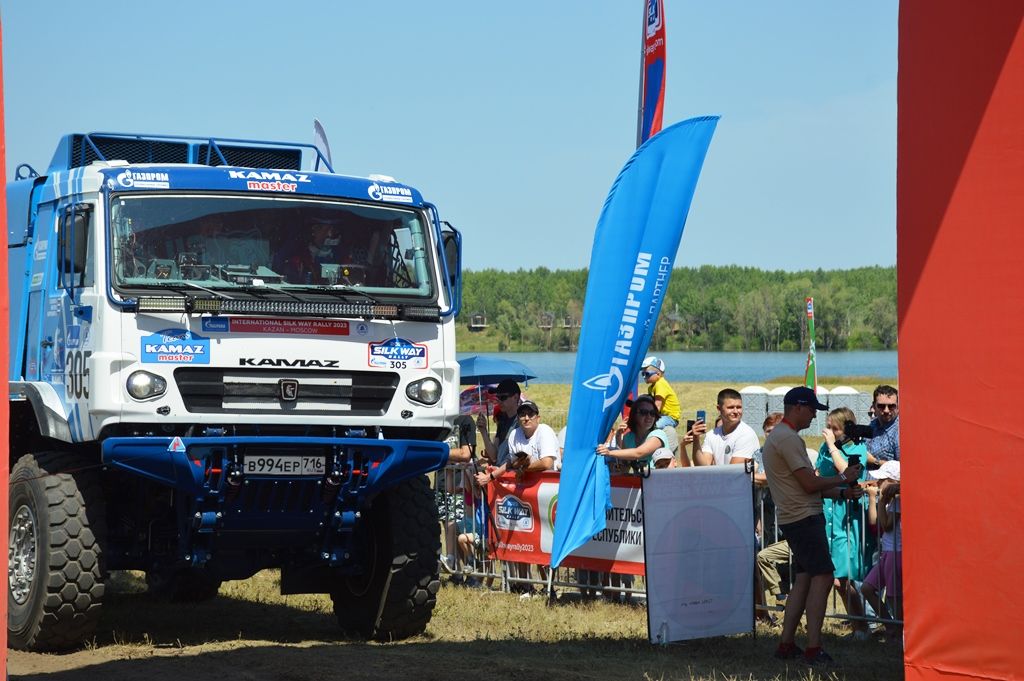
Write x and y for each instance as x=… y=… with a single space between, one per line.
x=213 y=143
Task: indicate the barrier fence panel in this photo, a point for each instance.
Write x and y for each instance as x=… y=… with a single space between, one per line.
x=500 y=537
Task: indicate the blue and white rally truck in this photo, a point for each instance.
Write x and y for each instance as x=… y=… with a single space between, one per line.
x=221 y=363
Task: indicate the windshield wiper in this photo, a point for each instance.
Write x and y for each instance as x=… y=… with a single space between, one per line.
x=267 y=288
x=178 y=286
x=345 y=290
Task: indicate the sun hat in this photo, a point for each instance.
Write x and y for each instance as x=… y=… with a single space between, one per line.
x=889 y=470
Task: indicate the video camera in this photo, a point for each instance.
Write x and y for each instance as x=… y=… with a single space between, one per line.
x=856 y=433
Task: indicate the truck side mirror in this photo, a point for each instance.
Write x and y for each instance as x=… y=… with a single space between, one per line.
x=73 y=245
x=451 y=247
x=452 y=254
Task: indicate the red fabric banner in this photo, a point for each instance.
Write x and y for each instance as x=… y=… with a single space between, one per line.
x=523 y=516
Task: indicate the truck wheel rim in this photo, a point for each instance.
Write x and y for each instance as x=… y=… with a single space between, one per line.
x=21 y=554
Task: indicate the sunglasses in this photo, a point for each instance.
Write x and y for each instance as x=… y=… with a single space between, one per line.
x=646 y=374
x=505 y=396
x=646 y=412
x=886 y=407
x=526 y=415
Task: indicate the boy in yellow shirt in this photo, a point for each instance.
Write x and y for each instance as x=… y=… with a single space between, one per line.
x=664 y=396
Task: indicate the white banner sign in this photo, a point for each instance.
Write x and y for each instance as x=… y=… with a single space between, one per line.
x=699 y=525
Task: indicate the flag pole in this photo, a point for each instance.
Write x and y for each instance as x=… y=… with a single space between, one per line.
x=811 y=369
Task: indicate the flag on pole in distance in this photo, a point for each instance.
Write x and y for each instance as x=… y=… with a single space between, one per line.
x=811 y=370
x=652 y=78
x=634 y=250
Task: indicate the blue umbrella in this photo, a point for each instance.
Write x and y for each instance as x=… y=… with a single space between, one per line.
x=477 y=370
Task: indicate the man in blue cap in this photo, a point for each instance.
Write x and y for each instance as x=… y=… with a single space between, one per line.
x=797 y=493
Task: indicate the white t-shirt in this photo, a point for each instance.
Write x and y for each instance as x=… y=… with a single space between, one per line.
x=543 y=444
x=741 y=442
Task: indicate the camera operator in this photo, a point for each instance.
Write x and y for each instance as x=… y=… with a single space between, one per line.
x=884 y=444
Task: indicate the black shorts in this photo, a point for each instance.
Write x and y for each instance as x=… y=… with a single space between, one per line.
x=809 y=545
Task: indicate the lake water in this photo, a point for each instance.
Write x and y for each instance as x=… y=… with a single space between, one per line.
x=724 y=367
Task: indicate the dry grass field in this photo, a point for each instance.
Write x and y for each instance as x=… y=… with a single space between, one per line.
x=252 y=633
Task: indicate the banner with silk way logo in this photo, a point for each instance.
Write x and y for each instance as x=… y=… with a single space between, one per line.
x=524 y=513
x=635 y=246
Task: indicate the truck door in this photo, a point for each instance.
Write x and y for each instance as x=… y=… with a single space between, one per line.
x=63 y=321
x=40 y=264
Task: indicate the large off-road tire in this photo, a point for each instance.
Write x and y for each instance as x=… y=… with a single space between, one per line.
x=55 y=585
x=190 y=585
x=395 y=597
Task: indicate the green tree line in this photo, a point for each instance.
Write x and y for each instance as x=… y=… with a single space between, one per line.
x=706 y=308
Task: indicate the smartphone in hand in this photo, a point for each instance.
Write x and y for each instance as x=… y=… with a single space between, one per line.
x=689 y=425
x=701 y=416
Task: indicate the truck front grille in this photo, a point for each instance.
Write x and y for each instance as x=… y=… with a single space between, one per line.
x=258 y=391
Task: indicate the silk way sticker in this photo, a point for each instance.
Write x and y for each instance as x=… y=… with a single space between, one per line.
x=398 y=353
x=177 y=346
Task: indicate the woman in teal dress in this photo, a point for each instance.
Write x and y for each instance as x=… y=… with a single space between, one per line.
x=851 y=555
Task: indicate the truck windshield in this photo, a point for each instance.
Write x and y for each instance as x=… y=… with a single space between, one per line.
x=299 y=245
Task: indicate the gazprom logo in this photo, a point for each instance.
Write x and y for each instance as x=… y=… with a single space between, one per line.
x=144 y=180
x=611 y=381
x=383 y=192
x=513 y=514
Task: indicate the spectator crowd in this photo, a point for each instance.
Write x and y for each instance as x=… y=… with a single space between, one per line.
x=829 y=519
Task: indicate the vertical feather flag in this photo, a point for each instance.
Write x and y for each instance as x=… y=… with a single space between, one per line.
x=635 y=246
x=652 y=73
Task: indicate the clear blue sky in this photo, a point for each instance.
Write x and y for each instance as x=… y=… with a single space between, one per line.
x=514 y=118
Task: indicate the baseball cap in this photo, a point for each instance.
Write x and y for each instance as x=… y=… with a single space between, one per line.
x=803 y=395
x=655 y=363
x=889 y=470
x=528 y=405
x=506 y=387
x=662 y=453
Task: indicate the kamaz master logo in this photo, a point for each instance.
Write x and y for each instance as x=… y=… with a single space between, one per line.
x=269 y=181
x=175 y=346
x=267 y=176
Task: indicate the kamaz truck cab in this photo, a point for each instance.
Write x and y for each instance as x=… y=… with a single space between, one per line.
x=220 y=363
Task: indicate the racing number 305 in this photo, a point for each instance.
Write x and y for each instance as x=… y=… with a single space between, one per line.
x=77 y=382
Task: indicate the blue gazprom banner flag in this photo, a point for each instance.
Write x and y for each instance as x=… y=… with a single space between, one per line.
x=634 y=250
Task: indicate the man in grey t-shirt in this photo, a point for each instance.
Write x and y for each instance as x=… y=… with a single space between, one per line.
x=797 y=492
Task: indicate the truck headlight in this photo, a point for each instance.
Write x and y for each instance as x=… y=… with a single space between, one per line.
x=425 y=390
x=142 y=385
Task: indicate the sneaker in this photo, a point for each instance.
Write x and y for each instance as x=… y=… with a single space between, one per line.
x=526 y=595
x=819 y=659
x=791 y=653
x=473 y=583
x=444 y=565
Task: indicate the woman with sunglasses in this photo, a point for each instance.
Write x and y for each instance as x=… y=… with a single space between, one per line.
x=642 y=442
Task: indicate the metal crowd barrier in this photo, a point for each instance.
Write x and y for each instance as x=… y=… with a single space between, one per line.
x=477 y=566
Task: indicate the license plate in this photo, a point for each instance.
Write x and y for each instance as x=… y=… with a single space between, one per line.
x=283 y=464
